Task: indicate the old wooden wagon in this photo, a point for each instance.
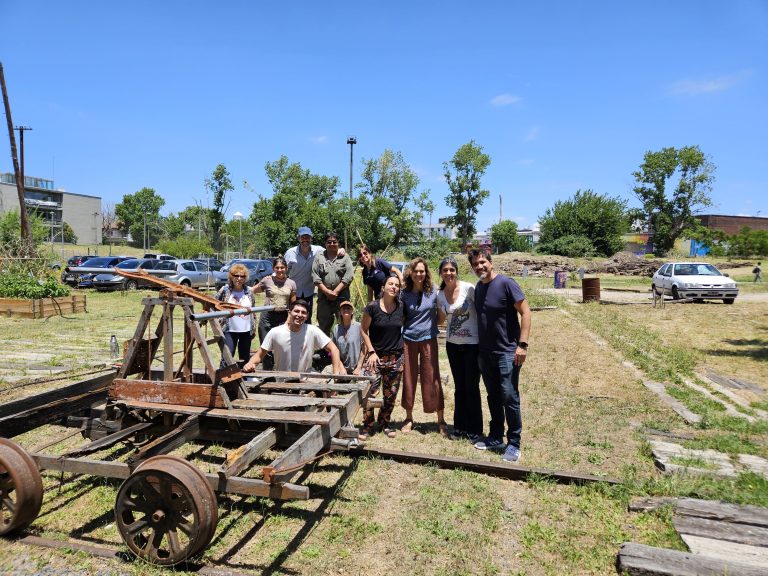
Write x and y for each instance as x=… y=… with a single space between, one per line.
x=155 y=402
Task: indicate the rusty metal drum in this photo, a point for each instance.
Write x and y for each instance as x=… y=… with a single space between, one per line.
x=590 y=290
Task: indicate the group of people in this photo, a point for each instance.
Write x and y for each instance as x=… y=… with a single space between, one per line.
x=488 y=325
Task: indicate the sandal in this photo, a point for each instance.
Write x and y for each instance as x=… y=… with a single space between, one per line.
x=407 y=426
x=364 y=434
x=389 y=433
x=442 y=428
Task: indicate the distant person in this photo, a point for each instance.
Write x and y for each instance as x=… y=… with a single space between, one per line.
x=421 y=355
x=375 y=272
x=348 y=339
x=280 y=291
x=238 y=330
x=758 y=272
x=294 y=343
x=381 y=328
x=332 y=273
x=456 y=307
x=503 y=347
x=300 y=259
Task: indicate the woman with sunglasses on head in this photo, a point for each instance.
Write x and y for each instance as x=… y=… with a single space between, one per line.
x=238 y=330
x=456 y=307
x=381 y=330
x=375 y=271
x=420 y=336
x=280 y=291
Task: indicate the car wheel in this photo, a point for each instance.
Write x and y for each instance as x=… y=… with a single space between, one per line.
x=131 y=285
x=658 y=293
x=675 y=293
x=186 y=283
x=729 y=300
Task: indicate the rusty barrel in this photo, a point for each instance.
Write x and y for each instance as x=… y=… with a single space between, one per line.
x=590 y=289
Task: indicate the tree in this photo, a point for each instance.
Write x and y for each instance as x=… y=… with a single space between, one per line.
x=504 y=237
x=108 y=220
x=669 y=217
x=137 y=209
x=219 y=184
x=598 y=218
x=463 y=173
x=299 y=198
x=387 y=196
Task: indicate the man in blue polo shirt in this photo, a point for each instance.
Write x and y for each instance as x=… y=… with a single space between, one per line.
x=503 y=346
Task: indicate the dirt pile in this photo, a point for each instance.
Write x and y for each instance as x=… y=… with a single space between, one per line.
x=621 y=264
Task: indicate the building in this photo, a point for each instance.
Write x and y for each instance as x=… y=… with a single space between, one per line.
x=55 y=206
x=439 y=229
x=732 y=225
x=532 y=235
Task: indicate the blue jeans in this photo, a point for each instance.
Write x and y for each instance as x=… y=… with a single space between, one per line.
x=501 y=376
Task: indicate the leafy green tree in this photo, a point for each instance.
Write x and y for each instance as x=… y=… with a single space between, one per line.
x=387 y=197
x=747 y=243
x=598 y=218
x=69 y=233
x=668 y=214
x=299 y=198
x=504 y=237
x=185 y=247
x=10 y=231
x=219 y=184
x=571 y=246
x=133 y=210
x=463 y=173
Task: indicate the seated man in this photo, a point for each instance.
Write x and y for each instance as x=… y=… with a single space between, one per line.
x=293 y=344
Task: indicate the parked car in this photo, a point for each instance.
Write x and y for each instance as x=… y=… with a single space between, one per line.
x=185 y=272
x=257 y=269
x=159 y=256
x=697 y=280
x=111 y=281
x=213 y=263
x=82 y=275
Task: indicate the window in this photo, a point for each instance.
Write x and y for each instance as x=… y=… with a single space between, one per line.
x=188 y=266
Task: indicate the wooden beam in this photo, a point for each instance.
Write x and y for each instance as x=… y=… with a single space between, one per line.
x=312 y=386
x=305 y=448
x=283 y=402
x=239 y=459
x=63 y=393
x=111 y=439
x=120 y=470
x=185 y=432
x=719 y=530
x=161 y=392
x=641 y=560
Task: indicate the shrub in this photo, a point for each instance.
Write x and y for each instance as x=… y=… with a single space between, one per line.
x=20 y=285
x=571 y=246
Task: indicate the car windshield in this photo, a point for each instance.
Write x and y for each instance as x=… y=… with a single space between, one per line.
x=96 y=262
x=696 y=270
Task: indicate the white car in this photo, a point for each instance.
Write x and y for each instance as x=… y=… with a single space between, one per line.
x=697 y=280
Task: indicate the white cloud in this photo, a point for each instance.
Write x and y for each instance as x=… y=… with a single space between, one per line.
x=532 y=134
x=505 y=99
x=690 y=87
x=320 y=139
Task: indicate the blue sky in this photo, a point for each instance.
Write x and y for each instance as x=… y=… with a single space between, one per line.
x=562 y=95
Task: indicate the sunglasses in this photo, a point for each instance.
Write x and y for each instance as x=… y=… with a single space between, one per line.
x=238 y=276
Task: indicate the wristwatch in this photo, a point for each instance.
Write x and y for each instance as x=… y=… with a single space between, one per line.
x=523 y=345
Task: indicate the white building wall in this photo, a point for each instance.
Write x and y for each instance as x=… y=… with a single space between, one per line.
x=83 y=213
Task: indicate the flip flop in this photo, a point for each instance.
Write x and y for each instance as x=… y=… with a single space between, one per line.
x=407 y=426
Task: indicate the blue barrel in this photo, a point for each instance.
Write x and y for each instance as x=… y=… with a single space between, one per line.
x=560 y=278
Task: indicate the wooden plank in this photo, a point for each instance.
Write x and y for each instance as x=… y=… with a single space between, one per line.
x=120 y=470
x=280 y=416
x=502 y=470
x=111 y=439
x=57 y=411
x=641 y=560
x=305 y=448
x=309 y=375
x=158 y=391
x=718 y=530
x=239 y=459
x=62 y=393
x=716 y=510
x=283 y=402
x=651 y=503
x=168 y=341
x=311 y=387
x=131 y=363
x=185 y=432
x=676 y=405
x=722 y=550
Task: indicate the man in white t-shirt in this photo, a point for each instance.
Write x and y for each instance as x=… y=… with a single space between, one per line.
x=293 y=344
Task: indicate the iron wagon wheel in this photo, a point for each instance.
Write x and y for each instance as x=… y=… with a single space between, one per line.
x=21 y=488
x=166 y=511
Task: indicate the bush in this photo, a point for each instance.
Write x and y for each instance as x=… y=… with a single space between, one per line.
x=184 y=247
x=433 y=250
x=571 y=246
x=19 y=285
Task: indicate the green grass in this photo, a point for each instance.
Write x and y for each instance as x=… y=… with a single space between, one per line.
x=732 y=444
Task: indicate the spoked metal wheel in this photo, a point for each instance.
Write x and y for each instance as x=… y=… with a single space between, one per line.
x=21 y=488
x=166 y=511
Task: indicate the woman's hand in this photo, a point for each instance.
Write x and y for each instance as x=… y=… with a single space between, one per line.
x=371 y=362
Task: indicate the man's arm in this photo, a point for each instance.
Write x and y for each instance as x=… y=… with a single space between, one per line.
x=525 y=329
x=250 y=366
x=338 y=367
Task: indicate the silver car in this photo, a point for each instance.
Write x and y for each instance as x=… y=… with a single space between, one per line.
x=697 y=280
x=185 y=272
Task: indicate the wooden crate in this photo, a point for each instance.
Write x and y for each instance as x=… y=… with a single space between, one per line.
x=43 y=307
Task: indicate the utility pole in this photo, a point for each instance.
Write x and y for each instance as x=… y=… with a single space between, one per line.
x=26 y=230
x=499 y=208
x=351 y=141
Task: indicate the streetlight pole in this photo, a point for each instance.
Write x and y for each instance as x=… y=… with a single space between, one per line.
x=351 y=141
x=239 y=217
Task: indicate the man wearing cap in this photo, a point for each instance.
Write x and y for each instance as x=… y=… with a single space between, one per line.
x=300 y=259
x=294 y=343
x=332 y=272
x=346 y=336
